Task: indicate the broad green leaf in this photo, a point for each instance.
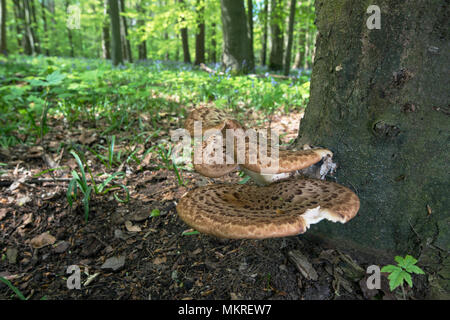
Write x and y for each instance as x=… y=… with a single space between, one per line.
x=390 y=268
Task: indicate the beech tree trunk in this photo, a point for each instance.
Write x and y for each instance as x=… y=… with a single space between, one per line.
x=265 y=16
x=106 y=39
x=250 y=27
x=142 y=46
x=126 y=47
x=236 y=40
x=287 y=59
x=380 y=101
x=185 y=40
x=116 y=43
x=3 y=43
x=277 y=36
x=200 y=37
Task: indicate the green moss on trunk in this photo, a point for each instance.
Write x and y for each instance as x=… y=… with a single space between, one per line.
x=380 y=102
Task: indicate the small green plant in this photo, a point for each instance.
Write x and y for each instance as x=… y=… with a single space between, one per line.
x=16 y=290
x=401 y=273
x=166 y=157
x=80 y=181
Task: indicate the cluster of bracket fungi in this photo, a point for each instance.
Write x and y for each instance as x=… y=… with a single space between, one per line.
x=280 y=204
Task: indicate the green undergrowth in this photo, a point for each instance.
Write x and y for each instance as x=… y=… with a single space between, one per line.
x=34 y=89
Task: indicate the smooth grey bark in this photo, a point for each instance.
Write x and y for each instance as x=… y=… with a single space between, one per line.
x=236 y=40
x=3 y=42
x=116 y=43
x=287 y=58
x=380 y=101
x=277 y=36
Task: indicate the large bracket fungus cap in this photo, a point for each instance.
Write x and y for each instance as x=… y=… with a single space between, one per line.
x=281 y=209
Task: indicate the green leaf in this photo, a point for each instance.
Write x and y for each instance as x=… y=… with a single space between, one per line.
x=415 y=269
x=13 y=288
x=155 y=213
x=190 y=233
x=395 y=279
x=390 y=268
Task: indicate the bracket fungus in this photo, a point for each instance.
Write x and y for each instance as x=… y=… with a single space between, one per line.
x=262 y=171
x=279 y=205
x=281 y=209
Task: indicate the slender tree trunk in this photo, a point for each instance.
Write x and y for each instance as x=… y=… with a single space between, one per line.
x=28 y=37
x=380 y=101
x=44 y=19
x=18 y=23
x=250 y=29
x=3 y=42
x=185 y=38
x=106 y=40
x=116 y=44
x=264 y=36
x=300 y=51
x=236 y=40
x=276 y=52
x=287 y=58
x=34 y=25
x=124 y=32
x=213 y=56
x=142 y=46
x=200 y=37
x=69 y=34
x=307 y=53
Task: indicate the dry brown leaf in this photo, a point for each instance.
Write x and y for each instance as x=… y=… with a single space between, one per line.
x=42 y=240
x=132 y=228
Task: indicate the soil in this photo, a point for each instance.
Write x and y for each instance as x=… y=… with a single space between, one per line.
x=156 y=259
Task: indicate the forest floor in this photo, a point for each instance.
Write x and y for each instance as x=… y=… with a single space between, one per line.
x=153 y=258
x=140 y=249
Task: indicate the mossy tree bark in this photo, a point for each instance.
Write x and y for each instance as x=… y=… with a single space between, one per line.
x=380 y=101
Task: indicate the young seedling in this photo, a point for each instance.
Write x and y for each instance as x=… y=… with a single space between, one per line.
x=80 y=181
x=401 y=273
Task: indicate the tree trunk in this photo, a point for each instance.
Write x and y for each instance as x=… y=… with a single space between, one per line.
x=300 y=51
x=276 y=52
x=250 y=28
x=69 y=34
x=200 y=37
x=126 y=47
x=379 y=100
x=213 y=55
x=34 y=25
x=116 y=44
x=44 y=19
x=28 y=41
x=185 y=38
x=287 y=59
x=3 y=43
x=142 y=46
x=236 y=40
x=264 y=36
x=106 y=42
